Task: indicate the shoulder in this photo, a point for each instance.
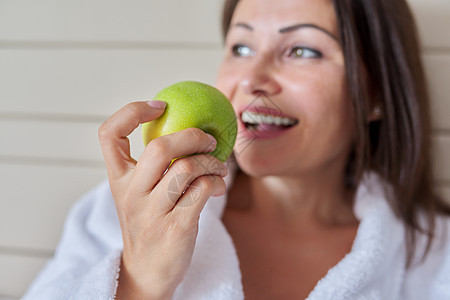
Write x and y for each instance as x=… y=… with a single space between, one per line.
x=434 y=270
x=441 y=252
x=94 y=215
x=87 y=259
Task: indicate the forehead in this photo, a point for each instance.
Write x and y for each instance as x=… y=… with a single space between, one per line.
x=279 y=13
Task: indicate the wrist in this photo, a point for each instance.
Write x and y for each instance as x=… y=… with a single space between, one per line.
x=130 y=289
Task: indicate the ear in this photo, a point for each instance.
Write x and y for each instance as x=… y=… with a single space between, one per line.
x=374 y=99
x=376 y=113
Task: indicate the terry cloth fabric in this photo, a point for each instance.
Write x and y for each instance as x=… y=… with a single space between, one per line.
x=87 y=260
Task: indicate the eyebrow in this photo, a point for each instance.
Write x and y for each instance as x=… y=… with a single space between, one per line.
x=292 y=28
x=243 y=25
x=307 y=25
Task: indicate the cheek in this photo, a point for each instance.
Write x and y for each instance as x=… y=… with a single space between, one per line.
x=333 y=112
x=323 y=99
x=334 y=118
x=226 y=80
x=326 y=91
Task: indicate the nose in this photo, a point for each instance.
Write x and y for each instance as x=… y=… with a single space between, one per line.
x=259 y=78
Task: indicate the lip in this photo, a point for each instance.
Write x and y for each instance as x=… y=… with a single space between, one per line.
x=262 y=135
x=265 y=111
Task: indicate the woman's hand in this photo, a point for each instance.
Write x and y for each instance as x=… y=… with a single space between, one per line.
x=158 y=209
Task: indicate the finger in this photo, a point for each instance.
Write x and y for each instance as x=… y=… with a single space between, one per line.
x=179 y=177
x=161 y=151
x=114 y=131
x=187 y=211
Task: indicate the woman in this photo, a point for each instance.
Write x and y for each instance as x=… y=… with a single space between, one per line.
x=337 y=204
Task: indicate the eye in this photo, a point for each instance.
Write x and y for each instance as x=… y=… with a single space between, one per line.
x=241 y=50
x=304 y=52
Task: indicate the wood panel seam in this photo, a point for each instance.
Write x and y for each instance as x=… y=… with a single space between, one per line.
x=28 y=252
x=112 y=45
x=44 y=161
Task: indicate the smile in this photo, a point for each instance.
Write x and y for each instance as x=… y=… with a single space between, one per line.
x=254 y=119
x=264 y=123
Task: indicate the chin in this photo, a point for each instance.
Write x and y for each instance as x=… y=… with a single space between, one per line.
x=258 y=166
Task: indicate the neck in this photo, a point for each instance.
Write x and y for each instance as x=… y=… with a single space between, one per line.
x=318 y=199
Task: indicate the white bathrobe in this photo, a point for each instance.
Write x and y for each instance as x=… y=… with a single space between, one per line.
x=87 y=260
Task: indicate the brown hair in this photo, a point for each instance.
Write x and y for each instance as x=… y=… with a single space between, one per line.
x=383 y=66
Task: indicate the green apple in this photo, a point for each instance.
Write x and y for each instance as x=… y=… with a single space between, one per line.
x=195 y=104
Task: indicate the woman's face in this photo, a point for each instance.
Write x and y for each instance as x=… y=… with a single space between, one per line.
x=283 y=64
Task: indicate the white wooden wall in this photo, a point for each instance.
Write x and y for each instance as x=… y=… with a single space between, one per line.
x=67 y=65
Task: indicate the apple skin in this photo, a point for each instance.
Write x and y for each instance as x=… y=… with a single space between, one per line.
x=195 y=104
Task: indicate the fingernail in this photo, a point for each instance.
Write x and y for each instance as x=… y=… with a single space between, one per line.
x=157 y=104
x=220 y=192
x=224 y=172
x=213 y=143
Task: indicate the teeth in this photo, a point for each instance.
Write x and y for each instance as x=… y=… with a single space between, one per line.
x=285 y=121
x=278 y=121
x=254 y=118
